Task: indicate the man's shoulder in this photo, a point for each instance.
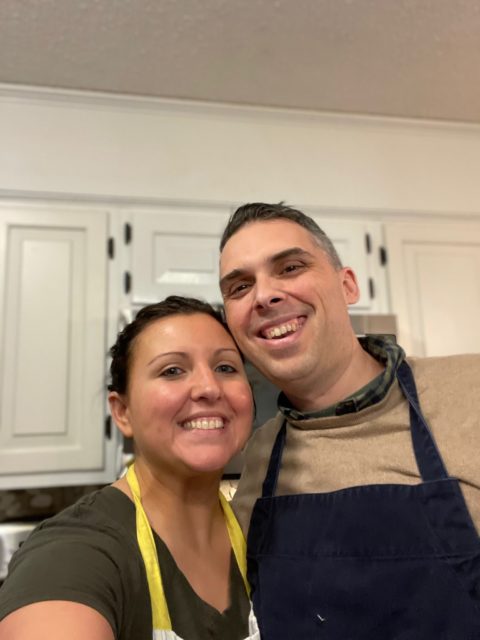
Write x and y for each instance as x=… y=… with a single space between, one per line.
x=442 y=367
x=266 y=433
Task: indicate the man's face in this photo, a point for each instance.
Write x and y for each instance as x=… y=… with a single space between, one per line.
x=285 y=303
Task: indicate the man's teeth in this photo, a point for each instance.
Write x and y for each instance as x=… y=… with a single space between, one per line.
x=203 y=423
x=281 y=330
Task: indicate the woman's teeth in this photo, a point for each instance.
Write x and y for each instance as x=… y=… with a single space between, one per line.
x=204 y=423
x=281 y=330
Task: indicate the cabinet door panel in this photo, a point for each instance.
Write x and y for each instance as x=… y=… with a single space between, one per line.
x=435 y=286
x=52 y=331
x=176 y=252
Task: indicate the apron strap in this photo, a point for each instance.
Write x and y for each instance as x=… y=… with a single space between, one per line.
x=160 y=616
x=148 y=549
x=237 y=540
x=429 y=460
x=270 y=483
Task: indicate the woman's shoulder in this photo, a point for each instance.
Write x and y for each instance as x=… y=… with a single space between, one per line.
x=87 y=553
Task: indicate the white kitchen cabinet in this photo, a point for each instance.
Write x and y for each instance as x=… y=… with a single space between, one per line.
x=175 y=250
x=53 y=331
x=434 y=273
x=360 y=246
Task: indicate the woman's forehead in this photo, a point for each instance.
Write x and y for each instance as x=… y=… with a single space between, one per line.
x=186 y=333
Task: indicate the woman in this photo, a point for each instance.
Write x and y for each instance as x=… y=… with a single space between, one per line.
x=157 y=554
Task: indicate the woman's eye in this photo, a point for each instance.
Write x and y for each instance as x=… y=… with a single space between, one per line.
x=225 y=368
x=171 y=372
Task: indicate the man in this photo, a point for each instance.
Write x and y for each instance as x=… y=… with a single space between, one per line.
x=360 y=529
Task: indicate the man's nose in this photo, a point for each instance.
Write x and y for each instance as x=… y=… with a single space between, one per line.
x=205 y=385
x=267 y=292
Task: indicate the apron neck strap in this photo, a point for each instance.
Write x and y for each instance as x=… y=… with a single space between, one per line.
x=160 y=616
x=148 y=549
x=429 y=460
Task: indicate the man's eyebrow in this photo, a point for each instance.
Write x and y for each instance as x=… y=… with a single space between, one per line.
x=232 y=275
x=289 y=253
x=276 y=257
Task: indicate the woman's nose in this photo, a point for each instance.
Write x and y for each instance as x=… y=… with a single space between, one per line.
x=205 y=386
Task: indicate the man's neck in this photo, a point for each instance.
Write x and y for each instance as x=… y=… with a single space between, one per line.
x=356 y=372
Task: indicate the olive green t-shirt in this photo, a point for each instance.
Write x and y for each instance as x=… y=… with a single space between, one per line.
x=88 y=553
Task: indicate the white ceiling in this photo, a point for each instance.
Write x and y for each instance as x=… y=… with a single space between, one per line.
x=407 y=58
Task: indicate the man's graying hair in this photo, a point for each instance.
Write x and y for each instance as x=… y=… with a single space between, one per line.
x=262 y=212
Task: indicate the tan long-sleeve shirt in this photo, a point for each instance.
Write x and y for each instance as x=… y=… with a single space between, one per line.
x=374 y=445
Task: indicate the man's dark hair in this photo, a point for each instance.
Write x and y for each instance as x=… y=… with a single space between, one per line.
x=121 y=351
x=262 y=212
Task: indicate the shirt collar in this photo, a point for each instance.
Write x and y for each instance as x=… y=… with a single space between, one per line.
x=383 y=349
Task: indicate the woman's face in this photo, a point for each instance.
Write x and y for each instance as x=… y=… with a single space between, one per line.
x=188 y=404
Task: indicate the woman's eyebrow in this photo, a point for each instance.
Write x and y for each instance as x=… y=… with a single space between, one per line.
x=177 y=354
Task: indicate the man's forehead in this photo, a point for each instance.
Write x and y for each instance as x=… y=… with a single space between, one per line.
x=272 y=236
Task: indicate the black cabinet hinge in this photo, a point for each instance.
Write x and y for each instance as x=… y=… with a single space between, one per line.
x=368 y=243
x=127 y=282
x=371 y=288
x=108 y=427
x=127 y=233
x=111 y=248
x=383 y=256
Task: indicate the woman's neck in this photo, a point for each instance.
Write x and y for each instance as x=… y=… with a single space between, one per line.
x=174 y=503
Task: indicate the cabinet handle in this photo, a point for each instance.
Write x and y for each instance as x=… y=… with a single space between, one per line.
x=371 y=288
x=368 y=243
x=127 y=233
x=127 y=281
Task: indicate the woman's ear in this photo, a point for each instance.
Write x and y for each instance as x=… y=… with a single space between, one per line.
x=120 y=413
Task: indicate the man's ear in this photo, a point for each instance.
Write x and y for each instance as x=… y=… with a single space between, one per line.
x=351 y=291
x=120 y=413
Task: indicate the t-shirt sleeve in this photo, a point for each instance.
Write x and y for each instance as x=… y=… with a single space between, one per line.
x=80 y=559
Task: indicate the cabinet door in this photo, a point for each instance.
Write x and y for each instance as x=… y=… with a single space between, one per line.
x=434 y=272
x=176 y=251
x=358 y=245
x=52 y=343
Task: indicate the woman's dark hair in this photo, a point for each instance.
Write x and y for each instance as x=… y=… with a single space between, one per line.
x=121 y=351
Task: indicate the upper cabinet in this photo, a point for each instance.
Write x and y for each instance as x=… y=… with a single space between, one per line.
x=53 y=328
x=360 y=246
x=434 y=273
x=175 y=250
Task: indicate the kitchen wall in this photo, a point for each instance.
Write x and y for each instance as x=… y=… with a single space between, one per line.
x=117 y=147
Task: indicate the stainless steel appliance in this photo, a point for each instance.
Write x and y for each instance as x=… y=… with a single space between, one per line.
x=12 y=534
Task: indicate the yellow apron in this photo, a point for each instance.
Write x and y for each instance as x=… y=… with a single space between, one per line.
x=162 y=626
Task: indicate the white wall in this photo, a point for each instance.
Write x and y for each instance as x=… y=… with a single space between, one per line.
x=100 y=146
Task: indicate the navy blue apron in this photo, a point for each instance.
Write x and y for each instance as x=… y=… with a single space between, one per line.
x=374 y=562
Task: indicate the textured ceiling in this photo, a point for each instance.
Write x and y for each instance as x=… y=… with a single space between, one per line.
x=407 y=58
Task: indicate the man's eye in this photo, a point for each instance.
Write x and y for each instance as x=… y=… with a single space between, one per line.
x=225 y=368
x=171 y=372
x=238 y=289
x=291 y=268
